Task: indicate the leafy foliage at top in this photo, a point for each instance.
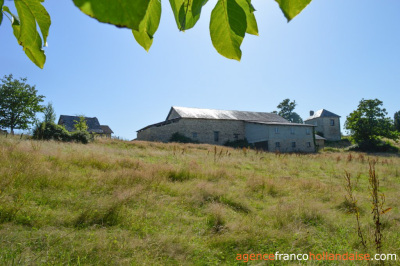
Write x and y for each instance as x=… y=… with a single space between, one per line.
x=369 y=123
x=19 y=103
x=286 y=110
x=30 y=14
x=230 y=21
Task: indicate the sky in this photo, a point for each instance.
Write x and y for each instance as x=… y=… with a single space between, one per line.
x=332 y=55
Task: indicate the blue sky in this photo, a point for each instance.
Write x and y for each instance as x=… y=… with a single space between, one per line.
x=332 y=55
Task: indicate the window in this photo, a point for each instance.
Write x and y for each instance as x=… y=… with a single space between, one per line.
x=276 y=130
x=236 y=136
x=332 y=122
x=293 y=144
x=308 y=144
x=194 y=135
x=277 y=144
x=216 y=136
x=308 y=131
x=291 y=130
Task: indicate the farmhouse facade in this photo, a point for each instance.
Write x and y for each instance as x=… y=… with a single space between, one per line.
x=327 y=124
x=93 y=124
x=266 y=131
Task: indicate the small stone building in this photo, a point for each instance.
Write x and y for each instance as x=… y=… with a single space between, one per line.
x=93 y=124
x=327 y=124
x=267 y=131
x=319 y=142
x=106 y=131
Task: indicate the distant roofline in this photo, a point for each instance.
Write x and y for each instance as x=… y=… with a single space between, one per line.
x=319 y=112
x=212 y=109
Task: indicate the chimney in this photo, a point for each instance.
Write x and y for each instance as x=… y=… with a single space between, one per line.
x=311 y=113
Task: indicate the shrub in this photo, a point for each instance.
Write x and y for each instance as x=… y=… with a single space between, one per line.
x=240 y=143
x=379 y=146
x=80 y=136
x=178 y=137
x=51 y=131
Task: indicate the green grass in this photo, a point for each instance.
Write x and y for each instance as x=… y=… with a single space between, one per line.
x=128 y=203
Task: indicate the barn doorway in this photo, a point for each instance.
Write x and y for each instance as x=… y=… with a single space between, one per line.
x=261 y=145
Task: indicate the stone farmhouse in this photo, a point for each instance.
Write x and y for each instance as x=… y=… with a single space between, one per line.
x=327 y=124
x=267 y=131
x=93 y=124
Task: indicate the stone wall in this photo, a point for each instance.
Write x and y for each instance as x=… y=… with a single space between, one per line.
x=201 y=130
x=324 y=125
x=282 y=138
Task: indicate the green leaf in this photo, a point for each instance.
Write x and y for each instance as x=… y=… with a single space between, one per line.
x=15 y=19
x=248 y=8
x=149 y=25
x=41 y=16
x=26 y=32
x=187 y=12
x=292 y=8
x=1 y=10
x=121 y=13
x=227 y=28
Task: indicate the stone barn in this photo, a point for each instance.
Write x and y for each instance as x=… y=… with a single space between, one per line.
x=327 y=124
x=266 y=131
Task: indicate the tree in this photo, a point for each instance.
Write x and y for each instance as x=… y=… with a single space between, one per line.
x=49 y=113
x=286 y=111
x=230 y=21
x=368 y=124
x=81 y=124
x=397 y=121
x=19 y=103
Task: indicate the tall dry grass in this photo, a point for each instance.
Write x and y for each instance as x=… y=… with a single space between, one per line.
x=121 y=203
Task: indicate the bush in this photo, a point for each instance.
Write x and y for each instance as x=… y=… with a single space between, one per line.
x=240 y=143
x=178 y=137
x=51 y=131
x=379 y=146
x=80 y=136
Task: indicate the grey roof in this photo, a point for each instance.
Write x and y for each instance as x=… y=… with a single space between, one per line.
x=186 y=112
x=322 y=113
x=68 y=122
x=106 y=129
x=280 y=123
x=319 y=137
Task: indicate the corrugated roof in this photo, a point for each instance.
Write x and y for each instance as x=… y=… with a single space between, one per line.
x=281 y=124
x=322 y=113
x=186 y=112
x=68 y=122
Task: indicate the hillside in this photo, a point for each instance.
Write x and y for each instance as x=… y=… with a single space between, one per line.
x=120 y=203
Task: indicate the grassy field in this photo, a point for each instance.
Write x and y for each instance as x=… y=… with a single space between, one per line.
x=131 y=203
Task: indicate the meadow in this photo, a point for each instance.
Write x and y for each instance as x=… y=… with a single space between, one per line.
x=115 y=202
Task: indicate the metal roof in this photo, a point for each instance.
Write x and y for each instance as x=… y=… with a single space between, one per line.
x=322 y=113
x=186 y=112
x=281 y=124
